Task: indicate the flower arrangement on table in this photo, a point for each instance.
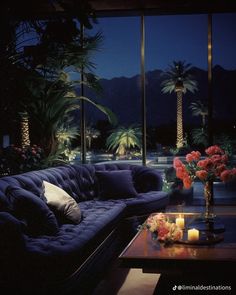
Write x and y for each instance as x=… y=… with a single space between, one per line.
x=163 y=229
x=212 y=167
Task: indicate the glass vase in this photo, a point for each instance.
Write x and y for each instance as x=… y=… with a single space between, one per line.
x=207 y=221
x=208 y=195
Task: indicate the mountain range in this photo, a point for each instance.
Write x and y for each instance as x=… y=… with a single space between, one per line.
x=123 y=96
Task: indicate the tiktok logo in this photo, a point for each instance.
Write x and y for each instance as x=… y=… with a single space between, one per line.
x=174 y=288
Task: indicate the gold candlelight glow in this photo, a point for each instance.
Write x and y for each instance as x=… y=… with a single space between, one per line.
x=193 y=234
x=180 y=222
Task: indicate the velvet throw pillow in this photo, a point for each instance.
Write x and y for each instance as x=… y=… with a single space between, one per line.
x=64 y=206
x=116 y=184
x=39 y=219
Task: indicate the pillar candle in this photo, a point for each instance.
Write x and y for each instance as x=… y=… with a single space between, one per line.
x=193 y=234
x=180 y=222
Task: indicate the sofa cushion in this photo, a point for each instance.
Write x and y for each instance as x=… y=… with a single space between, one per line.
x=145 y=203
x=39 y=219
x=115 y=184
x=62 y=203
x=60 y=255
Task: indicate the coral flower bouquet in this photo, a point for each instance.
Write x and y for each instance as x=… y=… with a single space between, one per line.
x=163 y=229
x=212 y=167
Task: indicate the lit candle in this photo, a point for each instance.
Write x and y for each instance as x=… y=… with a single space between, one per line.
x=193 y=234
x=180 y=222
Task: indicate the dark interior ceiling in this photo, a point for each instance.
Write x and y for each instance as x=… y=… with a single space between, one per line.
x=164 y=6
x=48 y=8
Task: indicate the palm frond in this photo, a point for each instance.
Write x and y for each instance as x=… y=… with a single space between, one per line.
x=198 y=108
x=200 y=136
x=111 y=116
x=122 y=139
x=179 y=71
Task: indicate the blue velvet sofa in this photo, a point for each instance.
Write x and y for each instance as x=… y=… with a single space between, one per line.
x=68 y=261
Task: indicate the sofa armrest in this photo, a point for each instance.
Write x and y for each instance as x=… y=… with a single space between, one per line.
x=12 y=240
x=147 y=179
x=12 y=254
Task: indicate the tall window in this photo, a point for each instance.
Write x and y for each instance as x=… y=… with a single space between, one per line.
x=173 y=38
x=224 y=79
x=117 y=64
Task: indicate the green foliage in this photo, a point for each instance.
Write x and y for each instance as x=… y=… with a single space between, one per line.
x=49 y=107
x=200 y=137
x=15 y=160
x=174 y=150
x=58 y=52
x=199 y=108
x=179 y=71
x=66 y=133
x=65 y=136
x=179 y=79
x=52 y=97
x=123 y=139
x=90 y=134
x=64 y=152
x=181 y=151
x=170 y=181
x=63 y=155
x=110 y=115
x=226 y=143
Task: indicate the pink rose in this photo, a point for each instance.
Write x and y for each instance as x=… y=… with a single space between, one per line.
x=187 y=181
x=193 y=156
x=202 y=174
x=162 y=233
x=205 y=164
x=214 y=149
x=228 y=175
x=177 y=163
x=220 y=169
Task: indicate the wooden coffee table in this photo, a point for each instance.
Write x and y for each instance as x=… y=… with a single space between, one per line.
x=192 y=263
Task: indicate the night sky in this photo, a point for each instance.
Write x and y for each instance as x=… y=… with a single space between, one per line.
x=168 y=38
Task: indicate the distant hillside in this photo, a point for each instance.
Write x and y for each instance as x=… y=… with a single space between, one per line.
x=122 y=95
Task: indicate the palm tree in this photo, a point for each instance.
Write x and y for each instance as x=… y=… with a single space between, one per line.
x=122 y=139
x=65 y=135
x=48 y=91
x=199 y=135
x=179 y=80
x=52 y=92
x=51 y=106
x=198 y=108
x=25 y=138
x=91 y=133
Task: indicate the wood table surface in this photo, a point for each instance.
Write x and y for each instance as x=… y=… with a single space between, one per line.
x=153 y=256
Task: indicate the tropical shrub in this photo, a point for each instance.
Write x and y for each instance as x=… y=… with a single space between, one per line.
x=123 y=140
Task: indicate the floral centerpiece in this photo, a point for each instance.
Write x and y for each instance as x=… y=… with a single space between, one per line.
x=212 y=167
x=163 y=229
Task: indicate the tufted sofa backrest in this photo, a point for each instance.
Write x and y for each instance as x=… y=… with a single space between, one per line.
x=79 y=181
x=64 y=176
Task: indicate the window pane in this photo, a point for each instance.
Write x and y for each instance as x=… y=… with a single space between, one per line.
x=224 y=79
x=168 y=39
x=117 y=64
